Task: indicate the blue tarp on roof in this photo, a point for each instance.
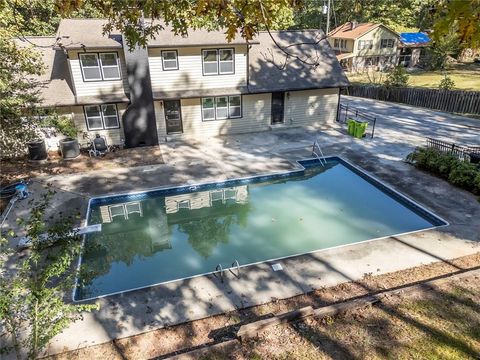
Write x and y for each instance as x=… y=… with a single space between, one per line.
x=414 y=38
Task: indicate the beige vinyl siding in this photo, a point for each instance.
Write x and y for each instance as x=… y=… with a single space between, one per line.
x=376 y=35
x=113 y=136
x=255 y=117
x=190 y=73
x=348 y=48
x=302 y=108
x=160 y=120
x=100 y=87
x=311 y=107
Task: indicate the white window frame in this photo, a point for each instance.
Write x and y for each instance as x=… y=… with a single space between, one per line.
x=215 y=107
x=93 y=117
x=100 y=66
x=104 y=116
x=232 y=50
x=164 y=68
x=218 y=61
x=221 y=108
x=109 y=66
x=362 y=44
x=203 y=61
x=389 y=43
x=214 y=110
x=239 y=106
x=335 y=43
x=90 y=67
x=102 y=119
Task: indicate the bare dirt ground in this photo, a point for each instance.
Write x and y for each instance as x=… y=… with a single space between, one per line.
x=17 y=169
x=444 y=323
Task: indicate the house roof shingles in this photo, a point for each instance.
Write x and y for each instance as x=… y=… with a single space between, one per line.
x=348 y=31
x=272 y=70
x=56 y=83
x=267 y=70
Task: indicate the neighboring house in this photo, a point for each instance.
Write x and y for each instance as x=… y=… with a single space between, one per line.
x=366 y=45
x=411 y=49
x=193 y=87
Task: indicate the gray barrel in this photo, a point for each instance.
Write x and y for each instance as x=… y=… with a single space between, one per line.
x=69 y=148
x=37 y=150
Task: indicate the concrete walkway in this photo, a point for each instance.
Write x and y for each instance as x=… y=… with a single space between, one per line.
x=399 y=130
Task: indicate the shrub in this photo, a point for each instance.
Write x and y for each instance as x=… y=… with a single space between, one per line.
x=476 y=184
x=397 y=77
x=463 y=175
x=63 y=124
x=446 y=83
x=447 y=166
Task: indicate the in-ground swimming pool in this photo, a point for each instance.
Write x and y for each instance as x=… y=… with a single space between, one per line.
x=166 y=235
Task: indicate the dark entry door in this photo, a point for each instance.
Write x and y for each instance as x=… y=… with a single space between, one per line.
x=173 y=116
x=278 y=103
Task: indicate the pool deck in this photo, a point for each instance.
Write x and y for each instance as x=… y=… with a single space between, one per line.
x=399 y=129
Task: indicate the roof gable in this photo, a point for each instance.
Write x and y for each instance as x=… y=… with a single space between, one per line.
x=345 y=31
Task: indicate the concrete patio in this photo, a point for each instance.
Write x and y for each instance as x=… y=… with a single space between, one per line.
x=399 y=129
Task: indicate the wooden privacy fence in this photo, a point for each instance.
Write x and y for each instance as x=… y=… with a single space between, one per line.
x=456 y=101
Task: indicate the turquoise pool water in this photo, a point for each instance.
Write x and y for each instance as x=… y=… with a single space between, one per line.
x=157 y=237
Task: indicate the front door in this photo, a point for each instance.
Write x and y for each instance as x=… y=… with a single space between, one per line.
x=278 y=103
x=173 y=116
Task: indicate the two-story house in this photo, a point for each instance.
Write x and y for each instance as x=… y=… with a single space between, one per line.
x=412 y=48
x=365 y=45
x=192 y=87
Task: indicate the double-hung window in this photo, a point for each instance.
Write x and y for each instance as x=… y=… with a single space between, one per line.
x=110 y=68
x=365 y=44
x=102 y=66
x=335 y=43
x=170 y=60
x=218 y=61
x=90 y=67
x=222 y=107
x=210 y=63
x=101 y=117
x=225 y=59
x=387 y=43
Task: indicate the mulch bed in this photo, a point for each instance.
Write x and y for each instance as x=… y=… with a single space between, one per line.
x=12 y=170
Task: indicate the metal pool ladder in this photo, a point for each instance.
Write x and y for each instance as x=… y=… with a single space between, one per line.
x=320 y=156
x=220 y=270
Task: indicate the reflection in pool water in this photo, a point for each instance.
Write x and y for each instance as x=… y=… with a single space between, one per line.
x=164 y=238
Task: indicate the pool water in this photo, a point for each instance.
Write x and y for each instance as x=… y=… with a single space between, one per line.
x=156 y=237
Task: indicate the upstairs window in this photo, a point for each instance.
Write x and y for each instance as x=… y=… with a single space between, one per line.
x=226 y=61
x=365 y=44
x=170 y=60
x=103 y=66
x=335 y=43
x=222 y=107
x=90 y=67
x=110 y=68
x=101 y=117
x=387 y=43
x=218 y=61
x=210 y=63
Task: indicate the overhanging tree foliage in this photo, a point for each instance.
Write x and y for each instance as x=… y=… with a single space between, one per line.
x=248 y=17
x=18 y=94
x=32 y=306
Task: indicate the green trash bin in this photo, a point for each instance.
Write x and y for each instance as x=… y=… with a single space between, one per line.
x=360 y=129
x=351 y=126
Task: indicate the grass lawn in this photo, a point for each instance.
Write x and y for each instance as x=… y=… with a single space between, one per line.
x=465 y=76
x=442 y=323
